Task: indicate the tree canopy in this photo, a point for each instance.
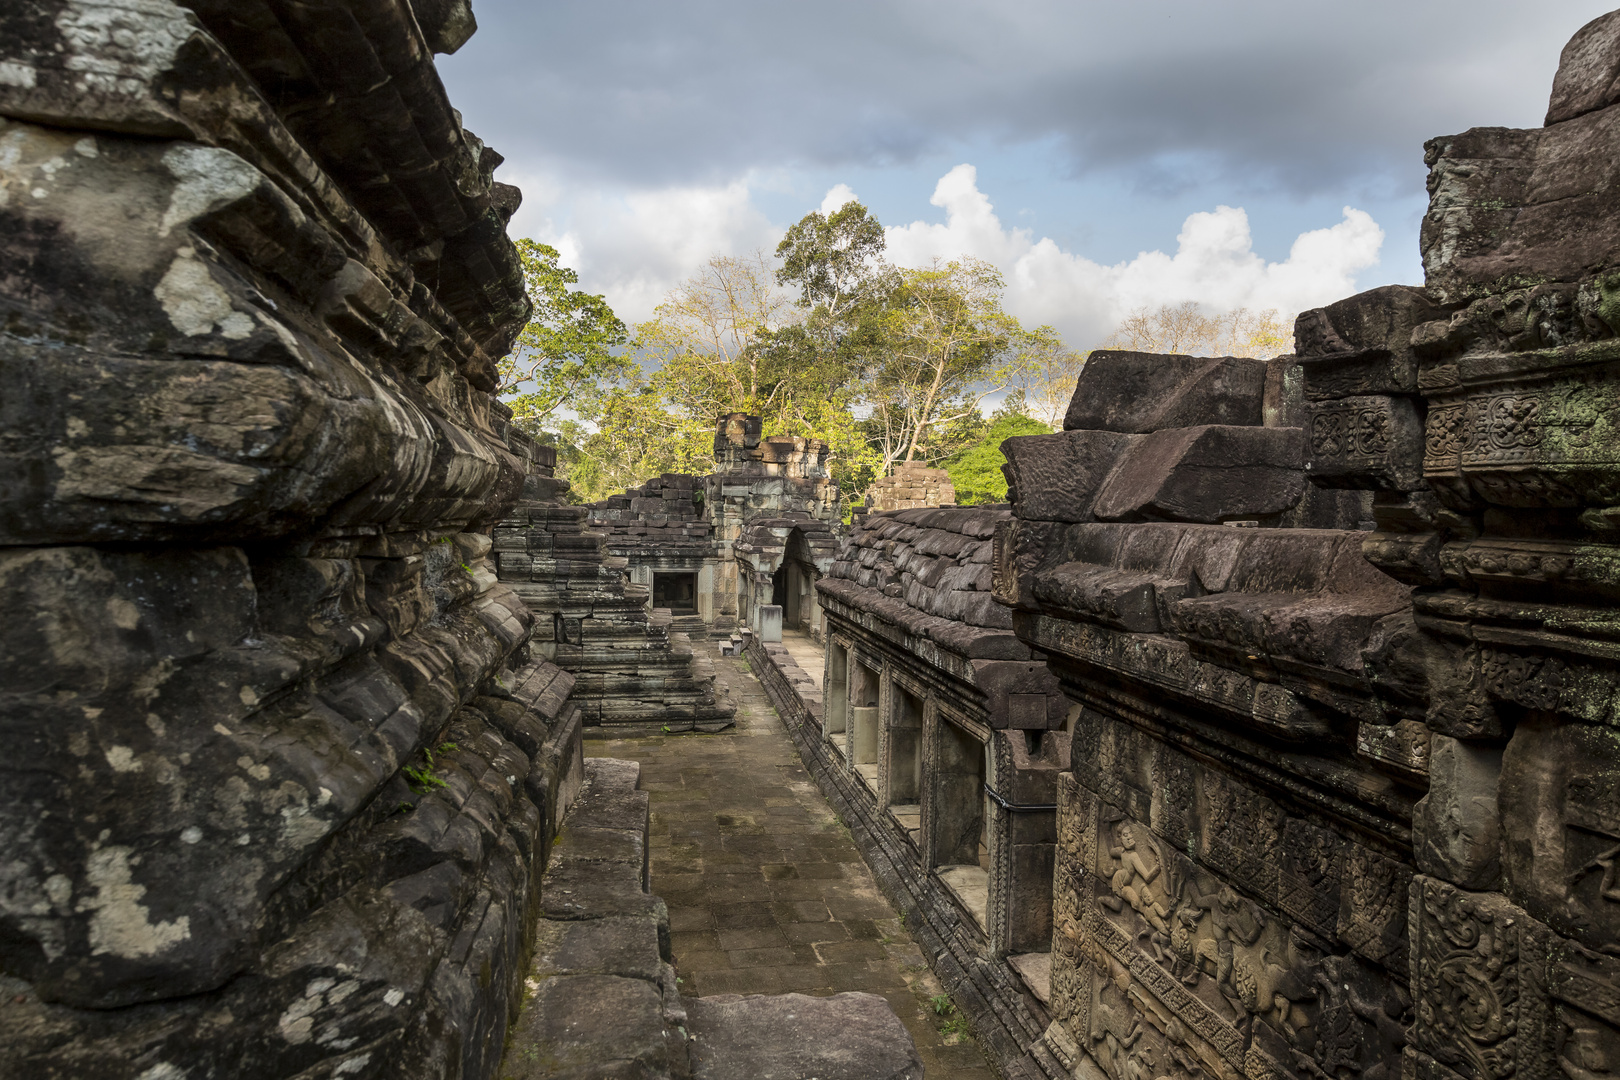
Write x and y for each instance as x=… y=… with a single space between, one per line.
x=976 y=471
x=566 y=351
x=885 y=363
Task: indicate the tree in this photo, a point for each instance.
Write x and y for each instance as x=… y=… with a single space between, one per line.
x=702 y=338
x=831 y=258
x=948 y=346
x=567 y=348
x=630 y=437
x=1185 y=329
x=816 y=364
x=976 y=472
x=1046 y=374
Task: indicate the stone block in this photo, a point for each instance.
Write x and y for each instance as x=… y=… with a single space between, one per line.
x=849 y=1036
x=1206 y=474
x=1369 y=442
x=1363 y=344
x=589 y=1027
x=1588 y=76
x=1057 y=477
x=1135 y=393
x=1456 y=827
x=770 y=622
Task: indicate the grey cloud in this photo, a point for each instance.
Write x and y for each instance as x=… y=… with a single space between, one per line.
x=1301 y=96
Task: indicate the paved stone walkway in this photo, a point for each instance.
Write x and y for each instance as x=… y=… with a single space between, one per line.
x=806 y=653
x=766 y=892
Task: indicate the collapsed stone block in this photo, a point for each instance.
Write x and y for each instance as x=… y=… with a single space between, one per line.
x=1056 y=477
x=1363 y=345
x=1135 y=393
x=1205 y=474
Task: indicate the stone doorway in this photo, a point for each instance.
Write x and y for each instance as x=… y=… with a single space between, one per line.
x=676 y=591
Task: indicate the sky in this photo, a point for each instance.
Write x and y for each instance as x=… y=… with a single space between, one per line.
x=1106 y=156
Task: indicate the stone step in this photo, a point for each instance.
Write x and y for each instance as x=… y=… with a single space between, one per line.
x=601 y=998
x=849 y=1036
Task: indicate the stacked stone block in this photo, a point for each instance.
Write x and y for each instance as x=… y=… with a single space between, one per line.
x=942 y=734
x=629 y=666
x=1341 y=800
x=283 y=769
x=769 y=501
x=910 y=486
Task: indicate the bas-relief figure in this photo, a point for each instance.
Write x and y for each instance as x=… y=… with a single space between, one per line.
x=1362 y=818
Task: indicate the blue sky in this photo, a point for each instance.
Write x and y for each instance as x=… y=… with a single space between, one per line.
x=1117 y=155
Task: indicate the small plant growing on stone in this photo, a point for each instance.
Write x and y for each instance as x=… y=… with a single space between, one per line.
x=424 y=778
x=941 y=1004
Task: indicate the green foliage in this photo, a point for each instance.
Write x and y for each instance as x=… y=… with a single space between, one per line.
x=424 y=778
x=948 y=346
x=885 y=364
x=831 y=257
x=976 y=472
x=567 y=350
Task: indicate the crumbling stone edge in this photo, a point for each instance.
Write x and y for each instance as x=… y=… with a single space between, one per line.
x=986 y=992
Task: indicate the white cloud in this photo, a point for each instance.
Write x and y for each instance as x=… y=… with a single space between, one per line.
x=635 y=246
x=1214 y=265
x=836 y=198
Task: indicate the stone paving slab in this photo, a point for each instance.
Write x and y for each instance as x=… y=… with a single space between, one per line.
x=795 y=1036
x=766 y=891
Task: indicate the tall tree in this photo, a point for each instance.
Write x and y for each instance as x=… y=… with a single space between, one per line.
x=702 y=338
x=630 y=436
x=1187 y=329
x=567 y=349
x=949 y=346
x=831 y=257
x=1046 y=374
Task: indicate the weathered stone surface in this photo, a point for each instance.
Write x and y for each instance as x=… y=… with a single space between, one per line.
x=848 y=1036
x=1056 y=477
x=585 y=1027
x=1365 y=442
x=1205 y=474
x=1456 y=827
x=1363 y=345
x=1136 y=393
x=287 y=771
x=1588 y=76
x=1319 y=823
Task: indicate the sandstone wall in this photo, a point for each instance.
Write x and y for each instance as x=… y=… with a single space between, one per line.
x=1343 y=802
x=282 y=770
x=629 y=664
x=911 y=486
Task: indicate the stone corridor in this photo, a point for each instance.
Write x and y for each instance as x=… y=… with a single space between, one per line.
x=766 y=891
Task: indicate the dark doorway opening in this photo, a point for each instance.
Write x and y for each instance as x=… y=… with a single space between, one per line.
x=676 y=591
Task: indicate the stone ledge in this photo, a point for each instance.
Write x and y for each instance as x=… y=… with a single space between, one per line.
x=990 y=993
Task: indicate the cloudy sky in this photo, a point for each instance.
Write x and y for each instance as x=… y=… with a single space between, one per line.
x=1106 y=155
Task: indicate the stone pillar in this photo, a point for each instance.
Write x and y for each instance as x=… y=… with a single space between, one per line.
x=770 y=622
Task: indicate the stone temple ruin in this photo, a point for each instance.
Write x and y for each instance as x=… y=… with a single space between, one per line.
x=714 y=550
x=1333 y=785
x=911 y=485
x=1268 y=732
x=287 y=603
